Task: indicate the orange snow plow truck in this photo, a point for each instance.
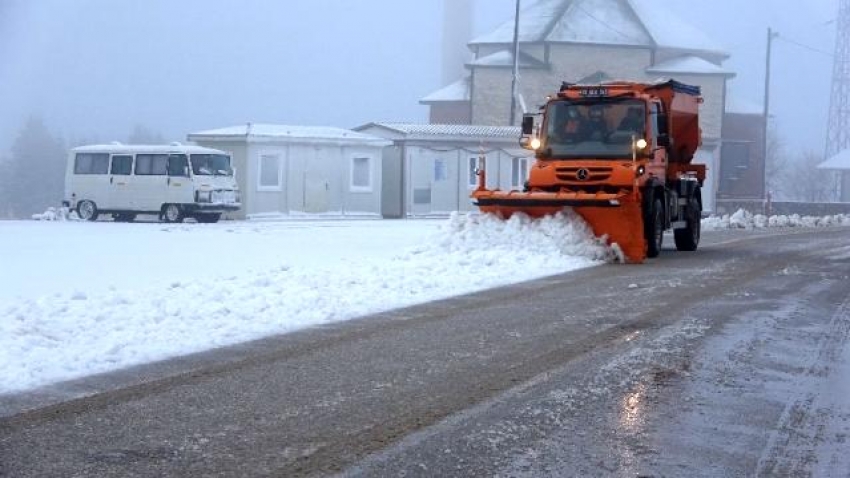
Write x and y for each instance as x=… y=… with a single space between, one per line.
x=620 y=155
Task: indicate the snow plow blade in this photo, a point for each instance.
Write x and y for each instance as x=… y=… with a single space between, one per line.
x=617 y=217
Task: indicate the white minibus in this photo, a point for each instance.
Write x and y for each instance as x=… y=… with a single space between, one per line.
x=173 y=182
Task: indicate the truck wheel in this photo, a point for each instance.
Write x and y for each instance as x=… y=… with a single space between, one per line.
x=210 y=218
x=687 y=239
x=87 y=210
x=172 y=213
x=654 y=228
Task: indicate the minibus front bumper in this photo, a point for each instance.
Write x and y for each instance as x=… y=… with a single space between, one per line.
x=213 y=207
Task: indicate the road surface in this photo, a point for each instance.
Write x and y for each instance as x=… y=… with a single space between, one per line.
x=731 y=361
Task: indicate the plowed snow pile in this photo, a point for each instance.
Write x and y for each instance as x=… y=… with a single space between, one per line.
x=77 y=333
x=745 y=220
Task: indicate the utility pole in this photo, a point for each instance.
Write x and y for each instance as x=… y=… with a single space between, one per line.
x=771 y=35
x=515 y=83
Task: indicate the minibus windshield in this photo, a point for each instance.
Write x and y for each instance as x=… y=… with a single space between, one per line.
x=211 y=165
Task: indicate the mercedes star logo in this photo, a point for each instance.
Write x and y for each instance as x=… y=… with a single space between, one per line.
x=583 y=174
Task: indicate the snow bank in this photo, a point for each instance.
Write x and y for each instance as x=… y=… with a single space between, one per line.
x=56 y=214
x=78 y=333
x=745 y=220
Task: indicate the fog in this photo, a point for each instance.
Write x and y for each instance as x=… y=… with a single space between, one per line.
x=93 y=69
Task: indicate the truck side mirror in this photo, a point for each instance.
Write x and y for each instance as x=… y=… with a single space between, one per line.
x=663 y=125
x=663 y=133
x=528 y=125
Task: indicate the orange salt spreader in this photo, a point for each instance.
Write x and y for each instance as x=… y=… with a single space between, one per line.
x=620 y=154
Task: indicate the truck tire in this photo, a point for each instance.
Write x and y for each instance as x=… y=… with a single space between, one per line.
x=687 y=239
x=654 y=228
x=87 y=210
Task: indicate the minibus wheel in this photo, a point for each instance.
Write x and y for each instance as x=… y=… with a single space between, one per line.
x=87 y=210
x=172 y=213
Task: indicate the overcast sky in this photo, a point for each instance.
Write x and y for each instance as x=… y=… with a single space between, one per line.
x=95 y=68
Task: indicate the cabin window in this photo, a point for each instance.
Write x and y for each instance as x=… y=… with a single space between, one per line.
x=441 y=172
x=519 y=172
x=151 y=164
x=472 y=169
x=361 y=174
x=269 y=177
x=122 y=165
x=91 y=163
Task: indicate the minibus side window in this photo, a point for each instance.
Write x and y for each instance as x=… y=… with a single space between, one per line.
x=178 y=165
x=122 y=165
x=151 y=164
x=91 y=163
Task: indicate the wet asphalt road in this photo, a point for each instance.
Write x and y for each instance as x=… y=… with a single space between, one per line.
x=732 y=361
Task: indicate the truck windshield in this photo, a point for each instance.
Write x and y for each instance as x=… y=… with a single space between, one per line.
x=594 y=128
x=211 y=165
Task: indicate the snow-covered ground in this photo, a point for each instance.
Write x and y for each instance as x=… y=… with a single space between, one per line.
x=81 y=298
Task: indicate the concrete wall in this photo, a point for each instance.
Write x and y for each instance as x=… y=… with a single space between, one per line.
x=450 y=112
x=492 y=86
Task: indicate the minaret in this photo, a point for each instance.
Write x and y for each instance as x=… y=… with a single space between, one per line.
x=457 y=32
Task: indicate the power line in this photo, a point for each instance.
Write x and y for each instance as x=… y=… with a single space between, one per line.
x=607 y=25
x=804 y=46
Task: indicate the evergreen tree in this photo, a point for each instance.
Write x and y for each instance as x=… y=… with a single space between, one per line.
x=5 y=174
x=36 y=170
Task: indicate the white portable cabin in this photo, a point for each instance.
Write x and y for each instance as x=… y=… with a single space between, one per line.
x=171 y=181
x=302 y=171
x=430 y=169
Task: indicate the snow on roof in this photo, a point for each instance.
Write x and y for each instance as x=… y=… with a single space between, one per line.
x=505 y=58
x=671 y=31
x=599 y=22
x=433 y=131
x=689 y=64
x=840 y=161
x=457 y=91
x=646 y=23
x=286 y=133
x=534 y=24
x=146 y=148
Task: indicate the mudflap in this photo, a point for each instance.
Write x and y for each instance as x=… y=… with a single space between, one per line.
x=621 y=225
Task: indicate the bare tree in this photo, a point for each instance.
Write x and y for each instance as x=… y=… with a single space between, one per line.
x=143 y=135
x=776 y=165
x=805 y=182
